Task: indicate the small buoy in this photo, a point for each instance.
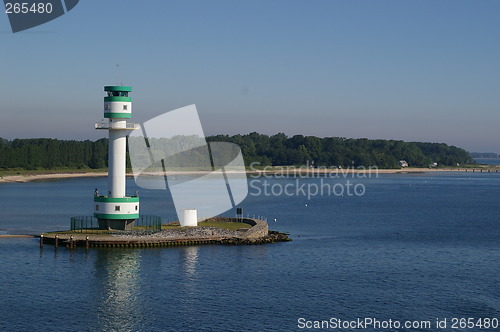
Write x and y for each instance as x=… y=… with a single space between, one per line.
x=274 y=219
x=306 y=204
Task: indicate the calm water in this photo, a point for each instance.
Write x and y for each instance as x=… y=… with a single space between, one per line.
x=413 y=247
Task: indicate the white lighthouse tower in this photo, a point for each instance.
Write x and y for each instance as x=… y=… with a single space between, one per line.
x=116 y=210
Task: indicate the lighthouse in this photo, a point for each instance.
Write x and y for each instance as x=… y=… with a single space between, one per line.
x=116 y=210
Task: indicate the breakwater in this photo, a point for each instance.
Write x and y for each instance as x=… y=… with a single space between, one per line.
x=258 y=233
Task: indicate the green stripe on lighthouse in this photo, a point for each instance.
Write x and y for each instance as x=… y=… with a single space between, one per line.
x=118 y=88
x=116 y=200
x=118 y=115
x=116 y=216
x=117 y=98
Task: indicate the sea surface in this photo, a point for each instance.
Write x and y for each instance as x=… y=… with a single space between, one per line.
x=402 y=248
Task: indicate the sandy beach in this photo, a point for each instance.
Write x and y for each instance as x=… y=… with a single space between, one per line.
x=276 y=171
x=33 y=177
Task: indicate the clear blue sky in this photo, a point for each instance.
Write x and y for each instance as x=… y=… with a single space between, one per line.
x=426 y=70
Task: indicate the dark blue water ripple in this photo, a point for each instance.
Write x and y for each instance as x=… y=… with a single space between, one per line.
x=414 y=247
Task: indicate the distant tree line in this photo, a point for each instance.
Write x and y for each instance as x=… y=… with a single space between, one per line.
x=484 y=155
x=44 y=153
x=346 y=152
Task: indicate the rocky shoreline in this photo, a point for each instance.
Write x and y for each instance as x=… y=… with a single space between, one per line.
x=144 y=241
x=272 y=237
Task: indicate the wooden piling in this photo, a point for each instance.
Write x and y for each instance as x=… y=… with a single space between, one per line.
x=41 y=241
x=56 y=239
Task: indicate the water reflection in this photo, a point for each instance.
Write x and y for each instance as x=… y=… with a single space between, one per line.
x=190 y=286
x=189 y=259
x=118 y=302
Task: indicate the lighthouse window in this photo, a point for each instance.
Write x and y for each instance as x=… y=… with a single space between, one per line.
x=124 y=107
x=117 y=208
x=136 y=208
x=97 y=207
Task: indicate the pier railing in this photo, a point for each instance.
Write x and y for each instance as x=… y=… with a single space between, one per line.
x=90 y=225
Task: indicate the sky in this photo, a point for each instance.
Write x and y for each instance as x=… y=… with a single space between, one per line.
x=426 y=70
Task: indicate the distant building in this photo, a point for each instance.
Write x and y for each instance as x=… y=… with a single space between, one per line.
x=403 y=163
x=432 y=165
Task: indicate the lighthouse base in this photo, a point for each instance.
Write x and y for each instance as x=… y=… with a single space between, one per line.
x=116 y=224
